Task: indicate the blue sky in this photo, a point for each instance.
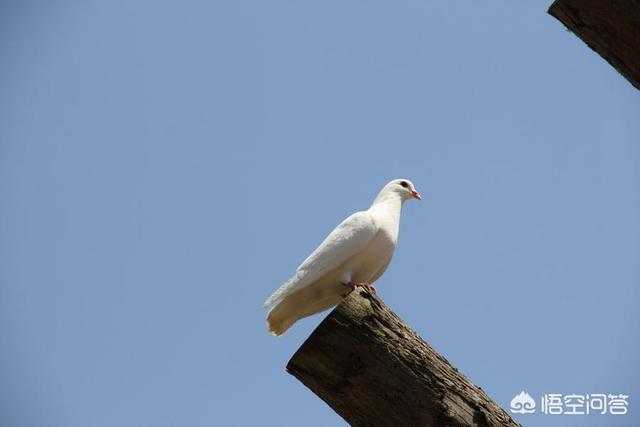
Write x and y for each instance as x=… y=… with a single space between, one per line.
x=165 y=166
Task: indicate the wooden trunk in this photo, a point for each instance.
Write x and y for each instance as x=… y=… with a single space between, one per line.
x=373 y=370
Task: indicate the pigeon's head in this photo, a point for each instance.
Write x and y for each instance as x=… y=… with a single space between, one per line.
x=404 y=188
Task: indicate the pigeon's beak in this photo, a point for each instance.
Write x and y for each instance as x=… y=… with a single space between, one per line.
x=416 y=195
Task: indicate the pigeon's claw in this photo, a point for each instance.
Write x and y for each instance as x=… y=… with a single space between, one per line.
x=353 y=286
x=356 y=285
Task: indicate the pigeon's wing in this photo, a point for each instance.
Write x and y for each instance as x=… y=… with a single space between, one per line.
x=346 y=240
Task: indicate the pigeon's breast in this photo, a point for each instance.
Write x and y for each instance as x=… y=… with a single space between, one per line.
x=369 y=264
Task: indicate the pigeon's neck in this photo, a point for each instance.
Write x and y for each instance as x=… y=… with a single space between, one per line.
x=387 y=208
x=388 y=199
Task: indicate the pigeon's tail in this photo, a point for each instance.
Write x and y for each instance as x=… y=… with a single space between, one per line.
x=273 y=301
x=300 y=304
x=286 y=311
x=279 y=323
x=281 y=293
x=281 y=314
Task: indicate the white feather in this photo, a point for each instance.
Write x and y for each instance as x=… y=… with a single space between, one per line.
x=347 y=239
x=358 y=250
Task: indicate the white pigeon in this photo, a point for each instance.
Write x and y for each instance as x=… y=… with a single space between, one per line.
x=356 y=253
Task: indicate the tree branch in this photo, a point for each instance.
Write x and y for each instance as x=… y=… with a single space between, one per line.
x=373 y=370
x=611 y=28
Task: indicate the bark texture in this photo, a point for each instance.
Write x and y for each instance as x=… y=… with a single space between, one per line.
x=611 y=28
x=373 y=370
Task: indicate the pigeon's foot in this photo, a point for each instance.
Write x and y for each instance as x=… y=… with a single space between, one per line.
x=373 y=288
x=353 y=286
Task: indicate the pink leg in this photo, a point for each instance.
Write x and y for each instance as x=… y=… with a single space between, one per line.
x=353 y=286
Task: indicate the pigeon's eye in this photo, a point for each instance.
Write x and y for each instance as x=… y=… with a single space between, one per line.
x=405 y=184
